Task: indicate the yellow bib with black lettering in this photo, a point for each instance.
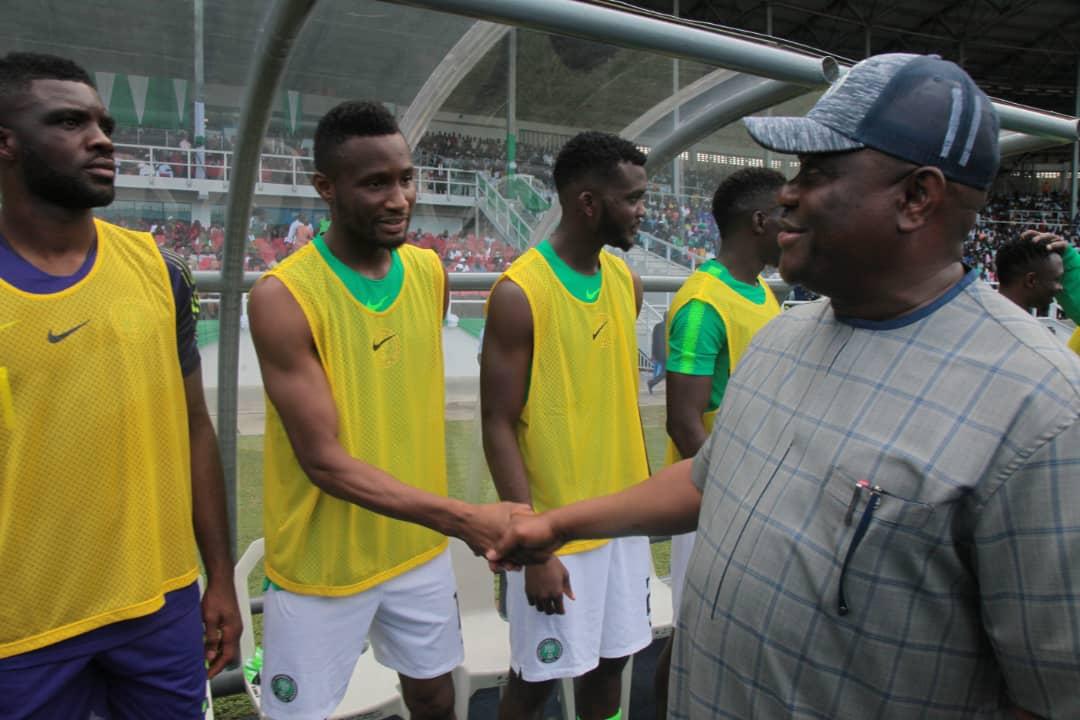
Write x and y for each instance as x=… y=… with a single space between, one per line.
x=385 y=370
x=741 y=317
x=95 y=496
x=580 y=433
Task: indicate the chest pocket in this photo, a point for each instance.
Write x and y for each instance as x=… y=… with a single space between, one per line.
x=886 y=524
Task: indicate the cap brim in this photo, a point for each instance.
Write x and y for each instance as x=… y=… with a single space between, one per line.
x=797 y=136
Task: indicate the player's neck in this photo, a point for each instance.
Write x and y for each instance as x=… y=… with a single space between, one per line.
x=371 y=261
x=742 y=264
x=46 y=234
x=576 y=251
x=1017 y=297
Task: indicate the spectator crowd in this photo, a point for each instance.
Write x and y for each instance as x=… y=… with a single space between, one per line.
x=683 y=221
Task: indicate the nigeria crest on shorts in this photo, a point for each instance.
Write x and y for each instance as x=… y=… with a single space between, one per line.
x=284 y=688
x=549 y=650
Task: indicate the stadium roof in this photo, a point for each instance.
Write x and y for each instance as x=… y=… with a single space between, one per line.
x=1026 y=51
x=1018 y=50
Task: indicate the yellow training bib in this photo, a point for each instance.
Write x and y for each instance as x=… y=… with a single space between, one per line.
x=741 y=317
x=385 y=370
x=95 y=498
x=580 y=432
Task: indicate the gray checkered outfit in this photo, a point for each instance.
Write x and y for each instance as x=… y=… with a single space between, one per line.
x=943 y=585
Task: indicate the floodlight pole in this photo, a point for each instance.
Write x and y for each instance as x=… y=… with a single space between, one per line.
x=511 y=104
x=769 y=32
x=198 y=116
x=676 y=164
x=1076 y=150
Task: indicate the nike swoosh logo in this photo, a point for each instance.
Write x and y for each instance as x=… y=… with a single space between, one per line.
x=6 y=325
x=380 y=303
x=376 y=345
x=591 y=295
x=599 y=329
x=54 y=338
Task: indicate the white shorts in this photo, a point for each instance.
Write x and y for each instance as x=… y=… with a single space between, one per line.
x=681 y=547
x=609 y=618
x=411 y=620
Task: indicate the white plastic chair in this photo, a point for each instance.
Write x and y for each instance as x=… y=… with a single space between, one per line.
x=485 y=634
x=661 y=608
x=373 y=690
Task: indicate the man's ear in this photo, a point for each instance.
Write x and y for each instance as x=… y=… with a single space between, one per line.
x=1031 y=279
x=757 y=222
x=324 y=186
x=588 y=204
x=7 y=144
x=924 y=191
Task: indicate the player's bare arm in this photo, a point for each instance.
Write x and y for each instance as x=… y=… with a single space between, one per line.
x=504 y=375
x=639 y=292
x=666 y=504
x=297 y=386
x=687 y=401
x=446 y=292
x=220 y=611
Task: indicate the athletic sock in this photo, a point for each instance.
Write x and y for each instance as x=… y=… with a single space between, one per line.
x=616 y=716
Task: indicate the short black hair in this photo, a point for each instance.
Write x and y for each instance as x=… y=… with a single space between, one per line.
x=1016 y=256
x=19 y=69
x=596 y=153
x=737 y=194
x=353 y=118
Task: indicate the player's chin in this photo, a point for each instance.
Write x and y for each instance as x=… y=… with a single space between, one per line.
x=100 y=196
x=390 y=242
x=626 y=244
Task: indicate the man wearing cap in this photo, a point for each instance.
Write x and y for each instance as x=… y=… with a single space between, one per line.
x=888 y=508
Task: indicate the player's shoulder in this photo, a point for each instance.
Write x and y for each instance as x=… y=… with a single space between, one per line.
x=523 y=262
x=1032 y=350
x=177 y=265
x=123 y=236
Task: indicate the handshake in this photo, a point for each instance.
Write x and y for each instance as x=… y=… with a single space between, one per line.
x=510 y=535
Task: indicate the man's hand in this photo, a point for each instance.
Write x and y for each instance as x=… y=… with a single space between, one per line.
x=546 y=584
x=530 y=540
x=1050 y=241
x=221 y=625
x=486 y=524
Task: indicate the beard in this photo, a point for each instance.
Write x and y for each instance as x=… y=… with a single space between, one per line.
x=365 y=236
x=613 y=234
x=73 y=192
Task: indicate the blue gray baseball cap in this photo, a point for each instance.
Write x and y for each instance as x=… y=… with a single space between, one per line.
x=918 y=108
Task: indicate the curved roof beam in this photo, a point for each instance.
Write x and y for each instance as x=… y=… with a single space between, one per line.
x=607 y=24
x=457 y=64
x=640 y=32
x=663 y=108
x=1014 y=143
x=755 y=98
